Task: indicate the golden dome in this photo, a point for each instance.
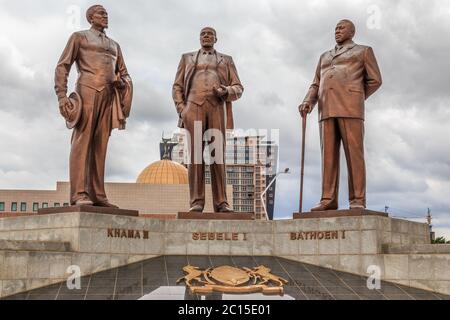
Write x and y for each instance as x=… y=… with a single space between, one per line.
x=164 y=172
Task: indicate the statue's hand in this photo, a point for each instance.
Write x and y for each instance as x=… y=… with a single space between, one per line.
x=64 y=106
x=119 y=84
x=182 y=109
x=221 y=91
x=304 y=109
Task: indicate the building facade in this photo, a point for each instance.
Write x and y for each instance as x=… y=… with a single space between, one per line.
x=161 y=190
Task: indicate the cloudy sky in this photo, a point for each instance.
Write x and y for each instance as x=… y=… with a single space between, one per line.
x=276 y=46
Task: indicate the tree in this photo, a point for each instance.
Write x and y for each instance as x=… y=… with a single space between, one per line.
x=440 y=240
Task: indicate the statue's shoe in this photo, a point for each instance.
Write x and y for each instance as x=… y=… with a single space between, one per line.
x=105 y=204
x=84 y=202
x=196 y=208
x=225 y=208
x=324 y=206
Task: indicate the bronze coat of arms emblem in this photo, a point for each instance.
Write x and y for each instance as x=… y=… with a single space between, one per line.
x=228 y=279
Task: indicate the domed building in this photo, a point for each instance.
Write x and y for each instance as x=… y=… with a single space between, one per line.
x=164 y=172
x=161 y=190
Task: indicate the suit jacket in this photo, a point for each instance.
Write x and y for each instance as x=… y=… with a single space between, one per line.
x=98 y=58
x=228 y=77
x=343 y=81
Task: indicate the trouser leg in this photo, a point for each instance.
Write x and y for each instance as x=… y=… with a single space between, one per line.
x=81 y=146
x=103 y=106
x=330 y=144
x=352 y=133
x=194 y=122
x=216 y=126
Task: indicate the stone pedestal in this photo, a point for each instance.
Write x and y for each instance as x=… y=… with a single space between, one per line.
x=90 y=209
x=215 y=216
x=400 y=249
x=338 y=213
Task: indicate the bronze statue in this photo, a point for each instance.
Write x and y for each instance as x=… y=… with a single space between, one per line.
x=345 y=77
x=205 y=82
x=105 y=90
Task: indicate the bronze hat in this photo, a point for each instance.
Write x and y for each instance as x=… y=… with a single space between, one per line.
x=75 y=111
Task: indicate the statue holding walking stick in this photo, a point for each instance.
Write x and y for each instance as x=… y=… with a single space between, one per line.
x=345 y=77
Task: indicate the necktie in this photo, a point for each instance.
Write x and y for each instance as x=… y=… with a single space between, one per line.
x=105 y=43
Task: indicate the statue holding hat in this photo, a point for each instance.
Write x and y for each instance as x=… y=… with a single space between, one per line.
x=101 y=102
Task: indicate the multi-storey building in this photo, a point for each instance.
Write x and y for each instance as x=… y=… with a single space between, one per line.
x=251 y=165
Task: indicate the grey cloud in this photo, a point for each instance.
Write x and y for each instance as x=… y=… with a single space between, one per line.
x=276 y=46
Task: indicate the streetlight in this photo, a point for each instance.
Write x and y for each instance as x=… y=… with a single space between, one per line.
x=264 y=192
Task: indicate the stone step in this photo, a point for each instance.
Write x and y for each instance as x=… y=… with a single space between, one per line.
x=21 y=271
x=31 y=245
x=416 y=248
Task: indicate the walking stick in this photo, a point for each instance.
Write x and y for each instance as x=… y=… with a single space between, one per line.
x=302 y=165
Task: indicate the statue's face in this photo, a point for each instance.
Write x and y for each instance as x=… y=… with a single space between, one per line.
x=100 y=18
x=207 y=38
x=343 y=32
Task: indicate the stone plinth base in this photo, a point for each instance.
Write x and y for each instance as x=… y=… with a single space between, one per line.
x=90 y=209
x=399 y=248
x=338 y=213
x=215 y=216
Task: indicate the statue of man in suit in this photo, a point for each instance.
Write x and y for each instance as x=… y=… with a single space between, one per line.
x=105 y=89
x=345 y=77
x=206 y=82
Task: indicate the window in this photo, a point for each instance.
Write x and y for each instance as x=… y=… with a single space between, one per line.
x=35 y=206
x=23 y=206
x=14 y=206
x=66 y=204
x=57 y=204
x=2 y=206
x=45 y=205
